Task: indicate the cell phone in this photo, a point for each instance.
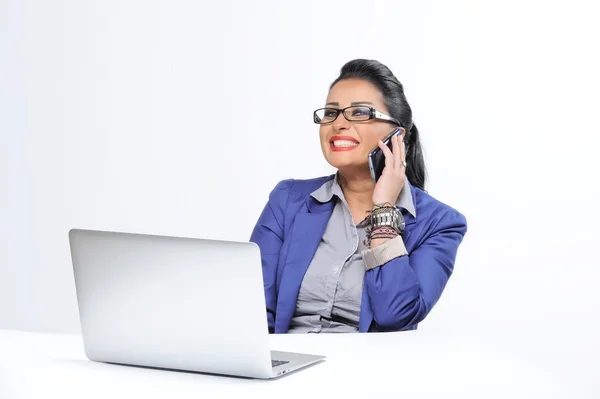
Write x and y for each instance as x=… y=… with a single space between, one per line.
x=377 y=157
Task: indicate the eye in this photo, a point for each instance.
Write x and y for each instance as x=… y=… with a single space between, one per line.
x=360 y=111
x=330 y=113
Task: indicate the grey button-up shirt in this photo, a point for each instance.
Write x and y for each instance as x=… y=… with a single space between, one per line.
x=330 y=295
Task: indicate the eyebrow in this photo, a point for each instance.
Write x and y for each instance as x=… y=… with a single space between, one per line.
x=353 y=103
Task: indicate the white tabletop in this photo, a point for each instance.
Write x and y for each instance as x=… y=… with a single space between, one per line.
x=426 y=364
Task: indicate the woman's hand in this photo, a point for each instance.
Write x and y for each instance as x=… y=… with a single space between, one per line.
x=392 y=178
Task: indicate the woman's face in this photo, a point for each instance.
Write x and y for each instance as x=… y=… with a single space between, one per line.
x=346 y=145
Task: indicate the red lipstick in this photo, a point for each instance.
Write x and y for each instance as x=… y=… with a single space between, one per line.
x=346 y=138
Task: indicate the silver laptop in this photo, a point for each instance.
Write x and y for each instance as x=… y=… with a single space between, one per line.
x=175 y=303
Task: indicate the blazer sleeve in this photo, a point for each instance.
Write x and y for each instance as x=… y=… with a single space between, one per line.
x=404 y=290
x=268 y=235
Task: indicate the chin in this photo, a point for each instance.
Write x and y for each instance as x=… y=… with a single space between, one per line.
x=345 y=159
x=347 y=164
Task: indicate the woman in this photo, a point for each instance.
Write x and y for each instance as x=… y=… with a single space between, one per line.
x=330 y=263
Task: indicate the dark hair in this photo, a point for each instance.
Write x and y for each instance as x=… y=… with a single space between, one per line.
x=395 y=100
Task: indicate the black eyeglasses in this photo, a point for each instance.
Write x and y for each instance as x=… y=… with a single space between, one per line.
x=323 y=116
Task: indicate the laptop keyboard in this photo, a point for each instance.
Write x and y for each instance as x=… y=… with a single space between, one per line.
x=275 y=363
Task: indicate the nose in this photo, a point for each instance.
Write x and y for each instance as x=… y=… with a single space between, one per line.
x=340 y=123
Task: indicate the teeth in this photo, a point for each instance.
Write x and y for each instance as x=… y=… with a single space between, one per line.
x=344 y=143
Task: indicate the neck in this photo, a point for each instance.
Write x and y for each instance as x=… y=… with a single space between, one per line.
x=357 y=188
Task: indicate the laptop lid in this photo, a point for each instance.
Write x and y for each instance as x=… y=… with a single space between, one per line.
x=170 y=302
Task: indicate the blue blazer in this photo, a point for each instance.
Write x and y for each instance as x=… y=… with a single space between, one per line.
x=396 y=296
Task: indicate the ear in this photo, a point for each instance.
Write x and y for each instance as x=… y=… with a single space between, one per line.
x=403 y=134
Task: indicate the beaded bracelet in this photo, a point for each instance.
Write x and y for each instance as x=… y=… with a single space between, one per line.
x=383 y=232
x=379 y=232
x=382 y=207
x=391 y=233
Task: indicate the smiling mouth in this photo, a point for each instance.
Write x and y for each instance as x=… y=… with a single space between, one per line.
x=343 y=143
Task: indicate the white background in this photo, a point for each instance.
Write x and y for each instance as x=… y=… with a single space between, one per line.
x=179 y=117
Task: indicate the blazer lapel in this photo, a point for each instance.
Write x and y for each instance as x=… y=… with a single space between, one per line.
x=305 y=237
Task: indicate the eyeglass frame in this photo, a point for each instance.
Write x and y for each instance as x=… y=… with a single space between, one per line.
x=373 y=114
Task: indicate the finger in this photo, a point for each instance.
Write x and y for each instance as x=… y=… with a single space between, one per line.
x=403 y=156
x=397 y=152
x=389 y=157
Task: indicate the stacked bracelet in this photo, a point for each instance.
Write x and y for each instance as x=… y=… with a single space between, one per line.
x=380 y=231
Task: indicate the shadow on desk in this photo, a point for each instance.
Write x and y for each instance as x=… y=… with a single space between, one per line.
x=92 y=364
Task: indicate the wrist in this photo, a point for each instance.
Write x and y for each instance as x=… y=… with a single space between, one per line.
x=375 y=242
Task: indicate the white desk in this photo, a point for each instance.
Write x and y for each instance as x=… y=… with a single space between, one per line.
x=412 y=364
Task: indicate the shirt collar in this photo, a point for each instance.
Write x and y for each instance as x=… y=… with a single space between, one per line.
x=332 y=187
